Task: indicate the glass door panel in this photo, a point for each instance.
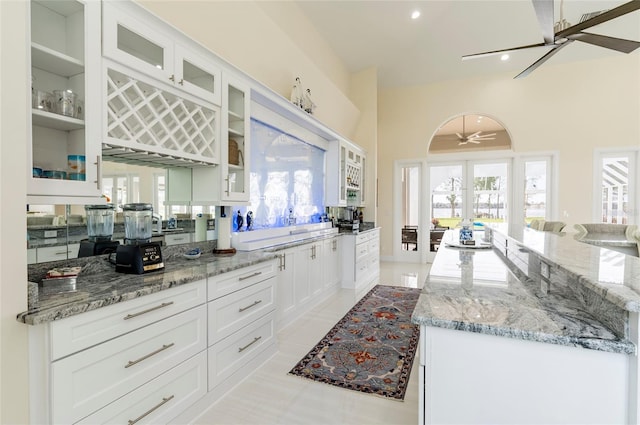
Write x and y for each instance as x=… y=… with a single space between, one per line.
x=535 y=190
x=490 y=188
x=140 y=47
x=446 y=191
x=410 y=189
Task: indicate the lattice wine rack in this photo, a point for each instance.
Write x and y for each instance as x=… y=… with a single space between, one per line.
x=148 y=119
x=353 y=176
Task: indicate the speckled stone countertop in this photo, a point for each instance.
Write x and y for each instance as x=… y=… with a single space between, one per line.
x=475 y=291
x=613 y=275
x=98 y=285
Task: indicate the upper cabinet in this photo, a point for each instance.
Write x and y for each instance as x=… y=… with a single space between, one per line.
x=64 y=152
x=129 y=40
x=235 y=140
x=345 y=174
x=162 y=98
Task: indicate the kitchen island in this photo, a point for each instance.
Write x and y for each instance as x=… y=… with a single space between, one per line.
x=535 y=329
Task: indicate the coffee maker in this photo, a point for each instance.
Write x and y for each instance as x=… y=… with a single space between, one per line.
x=99 y=231
x=138 y=254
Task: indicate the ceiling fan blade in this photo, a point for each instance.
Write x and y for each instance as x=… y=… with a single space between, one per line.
x=482 y=139
x=604 y=17
x=613 y=43
x=460 y=136
x=477 y=142
x=499 y=52
x=542 y=60
x=471 y=136
x=544 y=12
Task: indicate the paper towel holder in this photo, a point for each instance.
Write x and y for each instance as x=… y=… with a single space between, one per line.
x=224 y=251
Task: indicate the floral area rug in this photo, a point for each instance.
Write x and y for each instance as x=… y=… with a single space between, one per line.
x=371 y=349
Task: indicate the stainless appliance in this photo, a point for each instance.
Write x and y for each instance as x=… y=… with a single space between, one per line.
x=138 y=254
x=99 y=231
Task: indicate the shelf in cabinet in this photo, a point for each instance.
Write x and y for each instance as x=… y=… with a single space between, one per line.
x=55 y=121
x=235 y=116
x=233 y=132
x=236 y=167
x=53 y=61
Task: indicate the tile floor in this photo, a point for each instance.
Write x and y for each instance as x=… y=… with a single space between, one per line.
x=272 y=396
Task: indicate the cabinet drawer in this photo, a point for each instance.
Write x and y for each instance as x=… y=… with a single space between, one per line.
x=235 y=280
x=87 y=381
x=228 y=314
x=362 y=237
x=230 y=354
x=88 y=329
x=374 y=246
x=362 y=250
x=55 y=253
x=362 y=269
x=159 y=400
x=178 y=238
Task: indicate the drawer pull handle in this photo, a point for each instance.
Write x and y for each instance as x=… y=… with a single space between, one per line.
x=255 y=303
x=164 y=401
x=131 y=316
x=256 y=339
x=159 y=350
x=250 y=276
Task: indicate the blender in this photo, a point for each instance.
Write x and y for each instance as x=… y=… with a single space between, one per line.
x=138 y=254
x=99 y=231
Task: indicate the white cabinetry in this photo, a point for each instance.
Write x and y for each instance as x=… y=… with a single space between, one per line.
x=177 y=238
x=241 y=322
x=162 y=92
x=58 y=252
x=135 y=41
x=307 y=274
x=65 y=46
x=345 y=176
x=361 y=266
x=143 y=358
x=236 y=143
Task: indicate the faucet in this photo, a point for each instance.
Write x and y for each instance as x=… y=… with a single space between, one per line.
x=158 y=222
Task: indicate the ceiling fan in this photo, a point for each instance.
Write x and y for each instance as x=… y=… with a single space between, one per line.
x=562 y=34
x=475 y=138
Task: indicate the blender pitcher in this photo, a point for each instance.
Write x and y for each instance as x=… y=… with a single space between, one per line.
x=137 y=223
x=100 y=222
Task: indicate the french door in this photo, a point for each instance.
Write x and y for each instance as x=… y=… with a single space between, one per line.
x=477 y=190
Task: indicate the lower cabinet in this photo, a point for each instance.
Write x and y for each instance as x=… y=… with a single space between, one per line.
x=159 y=399
x=361 y=261
x=307 y=274
x=241 y=321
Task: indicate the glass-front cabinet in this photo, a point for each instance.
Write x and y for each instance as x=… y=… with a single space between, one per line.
x=345 y=174
x=235 y=140
x=132 y=41
x=64 y=156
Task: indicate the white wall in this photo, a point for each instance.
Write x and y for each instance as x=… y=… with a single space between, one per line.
x=14 y=107
x=572 y=109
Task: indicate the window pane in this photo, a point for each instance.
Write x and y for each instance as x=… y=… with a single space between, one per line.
x=490 y=192
x=615 y=189
x=446 y=195
x=410 y=207
x=535 y=190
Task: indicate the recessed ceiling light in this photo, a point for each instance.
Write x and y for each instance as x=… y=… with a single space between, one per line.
x=504 y=57
x=415 y=14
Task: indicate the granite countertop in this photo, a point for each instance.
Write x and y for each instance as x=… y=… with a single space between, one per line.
x=475 y=291
x=606 y=239
x=613 y=275
x=98 y=285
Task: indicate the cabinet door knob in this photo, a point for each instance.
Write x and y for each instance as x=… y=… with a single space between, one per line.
x=173 y=78
x=181 y=82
